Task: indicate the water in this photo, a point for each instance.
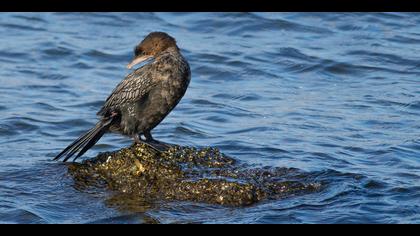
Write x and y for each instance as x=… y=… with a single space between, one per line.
x=334 y=95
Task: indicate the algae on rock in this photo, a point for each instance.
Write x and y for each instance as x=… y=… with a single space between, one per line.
x=188 y=174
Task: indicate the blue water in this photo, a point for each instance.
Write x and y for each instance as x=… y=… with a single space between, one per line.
x=334 y=95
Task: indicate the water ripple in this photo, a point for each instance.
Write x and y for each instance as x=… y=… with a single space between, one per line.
x=21 y=27
x=334 y=95
x=20 y=216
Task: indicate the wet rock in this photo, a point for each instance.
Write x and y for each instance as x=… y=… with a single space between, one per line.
x=188 y=174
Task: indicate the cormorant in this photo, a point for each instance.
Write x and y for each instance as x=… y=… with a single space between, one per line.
x=144 y=98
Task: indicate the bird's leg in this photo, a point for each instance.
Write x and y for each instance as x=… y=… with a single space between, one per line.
x=149 y=137
x=157 y=144
x=137 y=139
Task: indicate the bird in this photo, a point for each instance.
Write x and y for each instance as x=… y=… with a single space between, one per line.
x=143 y=98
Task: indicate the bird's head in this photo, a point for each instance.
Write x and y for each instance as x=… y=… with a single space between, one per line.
x=151 y=46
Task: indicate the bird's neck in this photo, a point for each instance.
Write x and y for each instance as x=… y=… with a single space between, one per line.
x=171 y=50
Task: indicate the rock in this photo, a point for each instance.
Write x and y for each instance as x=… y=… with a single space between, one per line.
x=188 y=174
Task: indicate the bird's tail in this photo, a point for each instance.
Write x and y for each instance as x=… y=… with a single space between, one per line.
x=86 y=141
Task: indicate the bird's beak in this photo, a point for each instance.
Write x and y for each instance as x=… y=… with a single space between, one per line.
x=138 y=60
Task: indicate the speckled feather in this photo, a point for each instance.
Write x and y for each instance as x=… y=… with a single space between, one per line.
x=167 y=77
x=133 y=88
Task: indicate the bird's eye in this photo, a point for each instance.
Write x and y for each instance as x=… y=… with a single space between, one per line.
x=137 y=51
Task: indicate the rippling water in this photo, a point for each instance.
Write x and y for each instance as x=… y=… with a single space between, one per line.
x=335 y=95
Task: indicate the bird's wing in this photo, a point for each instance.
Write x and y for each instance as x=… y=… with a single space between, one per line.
x=134 y=87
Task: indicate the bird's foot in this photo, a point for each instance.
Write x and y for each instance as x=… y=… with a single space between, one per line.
x=152 y=143
x=138 y=139
x=161 y=146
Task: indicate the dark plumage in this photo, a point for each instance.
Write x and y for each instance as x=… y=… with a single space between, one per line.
x=145 y=96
